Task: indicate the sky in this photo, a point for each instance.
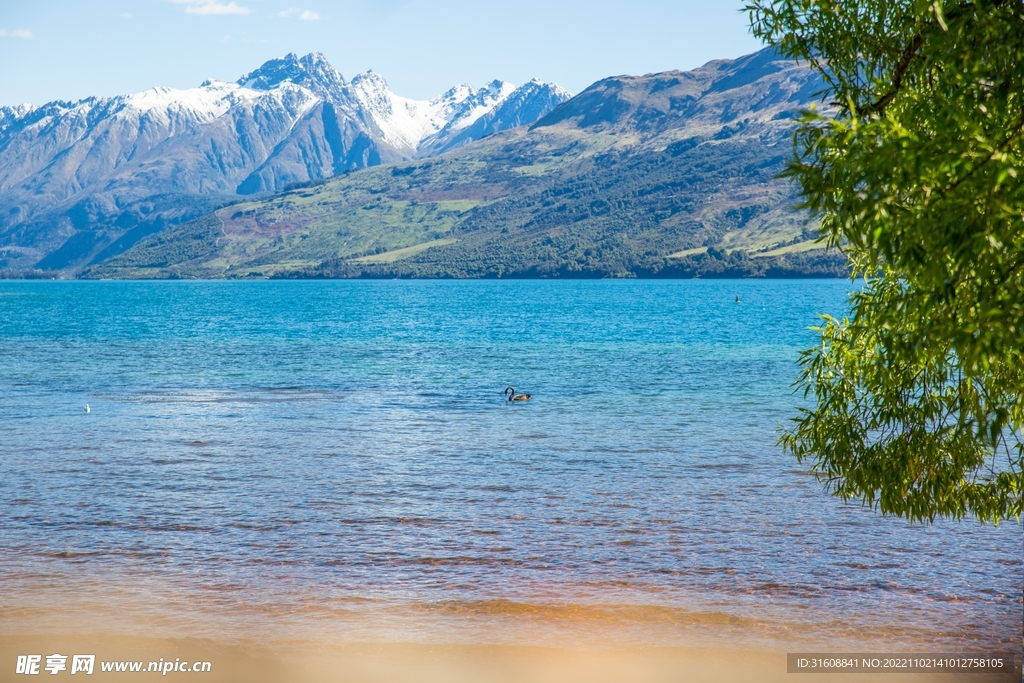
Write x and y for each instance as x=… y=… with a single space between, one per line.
x=71 y=49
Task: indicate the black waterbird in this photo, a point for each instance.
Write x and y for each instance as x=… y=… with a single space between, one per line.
x=513 y=396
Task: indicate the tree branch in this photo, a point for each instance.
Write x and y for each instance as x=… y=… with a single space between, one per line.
x=910 y=52
x=897 y=76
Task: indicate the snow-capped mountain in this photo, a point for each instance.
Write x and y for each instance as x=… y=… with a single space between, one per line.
x=406 y=123
x=81 y=181
x=312 y=72
x=521 y=107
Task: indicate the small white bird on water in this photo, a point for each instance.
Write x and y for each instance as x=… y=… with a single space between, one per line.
x=87 y=408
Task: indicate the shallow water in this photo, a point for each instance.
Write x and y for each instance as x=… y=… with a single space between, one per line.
x=337 y=459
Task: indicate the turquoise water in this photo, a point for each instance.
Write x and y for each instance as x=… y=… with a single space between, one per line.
x=337 y=458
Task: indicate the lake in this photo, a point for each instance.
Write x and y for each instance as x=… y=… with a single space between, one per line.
x=335 y=460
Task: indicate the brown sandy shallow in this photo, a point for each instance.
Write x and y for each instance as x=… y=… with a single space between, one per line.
x=430 y=663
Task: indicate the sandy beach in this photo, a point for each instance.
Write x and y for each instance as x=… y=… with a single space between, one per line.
x=438 y=663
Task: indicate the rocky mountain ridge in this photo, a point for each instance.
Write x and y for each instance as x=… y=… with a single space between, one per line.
x=83 y=181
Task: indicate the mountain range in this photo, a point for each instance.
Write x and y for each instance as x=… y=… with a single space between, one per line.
x=81 y=182
x=672 y=174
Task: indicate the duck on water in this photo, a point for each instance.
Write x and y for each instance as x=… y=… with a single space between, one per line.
x=513 y=396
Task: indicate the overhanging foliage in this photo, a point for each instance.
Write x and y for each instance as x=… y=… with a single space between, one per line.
x=915 y=173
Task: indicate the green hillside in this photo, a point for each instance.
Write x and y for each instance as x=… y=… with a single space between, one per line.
x=670 y=174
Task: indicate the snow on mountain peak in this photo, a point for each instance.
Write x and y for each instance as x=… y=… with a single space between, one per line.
x=311 y=71
x=16 y=111
x=207 y=102
x=479 y=102
x=11 y=114
x=405 y=123
x=556 y=90
x=294 y=85
x=370 y=77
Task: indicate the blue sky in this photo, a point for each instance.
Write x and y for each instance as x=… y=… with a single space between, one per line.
x=69 y=49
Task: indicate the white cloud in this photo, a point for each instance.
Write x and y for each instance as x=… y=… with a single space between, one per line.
x=16 y=33
x=207 y=7
x=127 y=15
x=304 y=14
